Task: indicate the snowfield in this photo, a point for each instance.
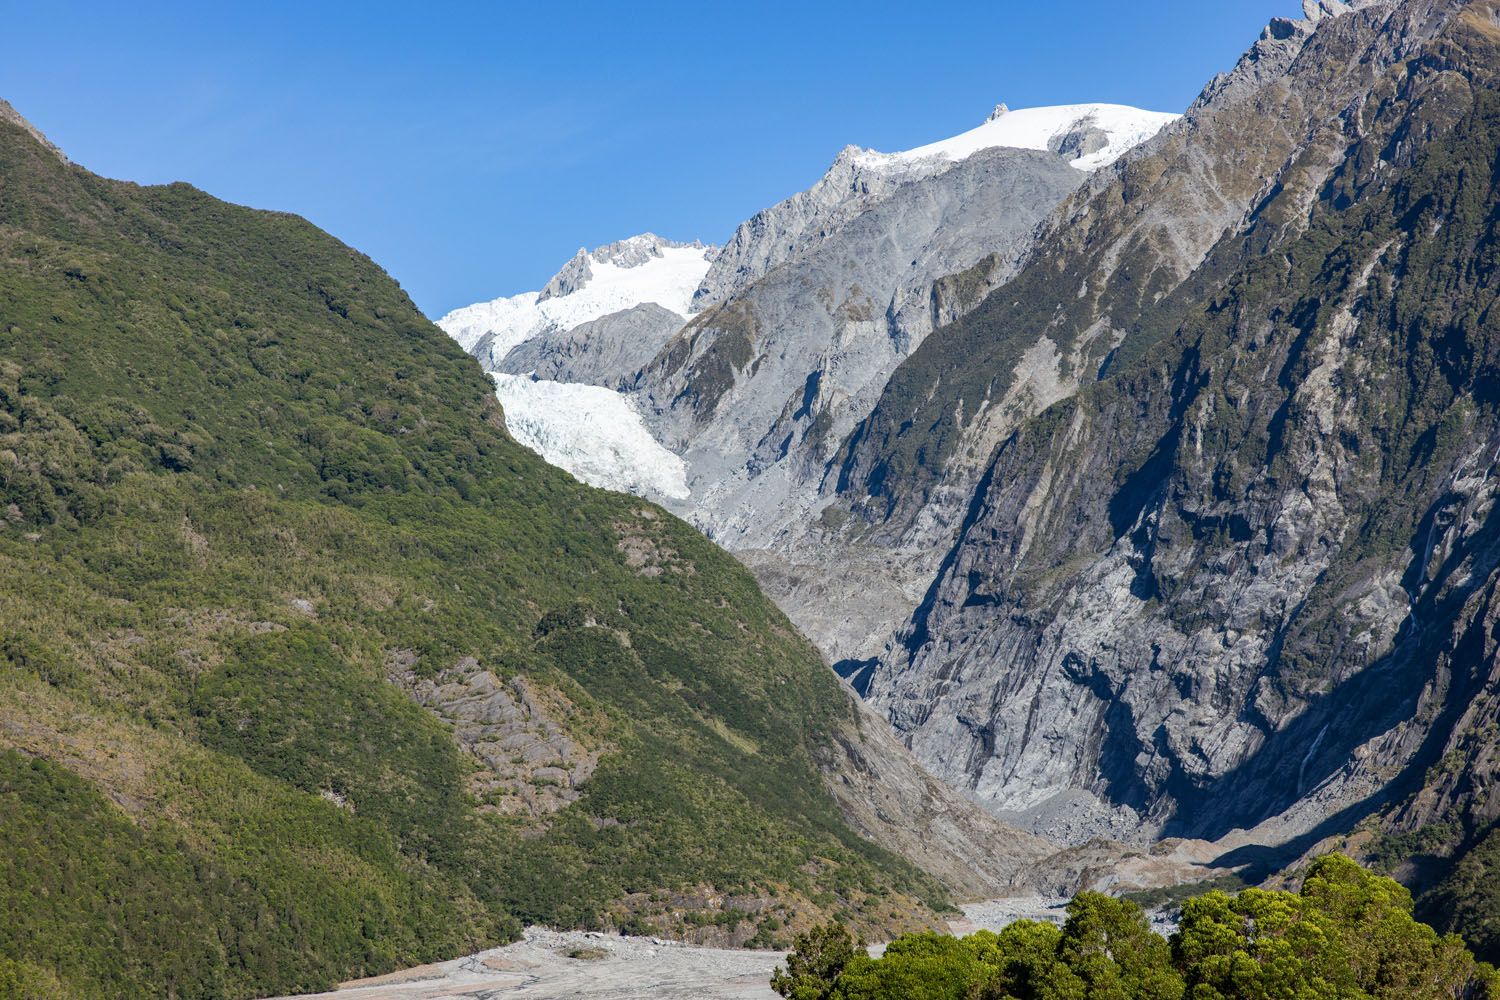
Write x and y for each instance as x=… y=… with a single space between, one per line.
x=592 y=432
x=1036 y=128
x=668 y=277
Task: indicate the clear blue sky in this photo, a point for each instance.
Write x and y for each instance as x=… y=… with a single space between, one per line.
x=470 y=148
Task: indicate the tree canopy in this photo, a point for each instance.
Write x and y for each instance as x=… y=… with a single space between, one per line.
x=1347 y=934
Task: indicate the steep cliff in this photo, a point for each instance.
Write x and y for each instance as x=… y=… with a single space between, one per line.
x=1241 y=581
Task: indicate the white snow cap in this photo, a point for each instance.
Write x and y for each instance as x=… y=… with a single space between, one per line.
x=618 y=276
x=592 y=432
x=1037 y=128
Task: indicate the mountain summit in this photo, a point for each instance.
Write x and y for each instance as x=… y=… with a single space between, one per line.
x=619 y=276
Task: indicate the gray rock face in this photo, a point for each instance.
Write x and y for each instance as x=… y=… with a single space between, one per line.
x=569 y=278
x=1080 y=142
x=601 y=352
x=777 y=234
x=886 y=796
x=531 y=766
x=1212 y=591
x=756 y=393
x=1098 y=284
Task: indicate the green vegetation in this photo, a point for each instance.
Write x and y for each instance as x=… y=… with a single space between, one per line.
x=1174 y=895
x=1347 y=935
x=1467 y=901
x=813 y=968
x=243 y=484
x=1388 y=851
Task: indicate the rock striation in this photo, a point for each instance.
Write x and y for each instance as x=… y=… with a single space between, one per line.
x=531 y=765
x=1234 y=578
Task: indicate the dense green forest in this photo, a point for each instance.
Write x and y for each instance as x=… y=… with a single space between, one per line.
x=253 y=508
x=1347 y=934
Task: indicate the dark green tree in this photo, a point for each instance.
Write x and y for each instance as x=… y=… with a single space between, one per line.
x=1347 y=934
x=1025 y=958
x=917 y=967
x=818 y=958
x=1109 y=944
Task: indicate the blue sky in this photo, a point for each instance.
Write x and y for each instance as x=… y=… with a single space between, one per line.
x=470 y=148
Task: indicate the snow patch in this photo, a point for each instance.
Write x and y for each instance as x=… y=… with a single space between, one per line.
x=592 y=432
x=1037 y=128
x=656 y=271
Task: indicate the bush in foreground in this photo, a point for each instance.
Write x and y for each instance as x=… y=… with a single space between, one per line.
x=1348 y=934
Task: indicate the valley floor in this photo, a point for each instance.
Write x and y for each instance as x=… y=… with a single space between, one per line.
x=613 y=967
x=540 y=966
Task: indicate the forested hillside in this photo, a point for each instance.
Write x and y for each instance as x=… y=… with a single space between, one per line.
x=308 y=671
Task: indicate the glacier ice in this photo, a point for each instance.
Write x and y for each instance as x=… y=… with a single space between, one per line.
x=595 y=433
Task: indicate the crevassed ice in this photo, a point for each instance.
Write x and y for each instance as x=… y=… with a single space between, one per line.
x=592 y=432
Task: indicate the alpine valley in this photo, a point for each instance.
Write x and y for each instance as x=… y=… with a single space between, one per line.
x=1098 y=499
x=1138 y=469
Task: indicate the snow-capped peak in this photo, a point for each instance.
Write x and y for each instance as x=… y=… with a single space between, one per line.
x=609 y=279
x=634 y=251
x=1091 y=135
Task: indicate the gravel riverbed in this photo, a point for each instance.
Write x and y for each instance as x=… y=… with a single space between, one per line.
x=550 y=965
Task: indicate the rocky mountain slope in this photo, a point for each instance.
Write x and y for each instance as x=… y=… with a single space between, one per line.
x=308 y=670
x=1086 y=135
x=1161 y=505
x=1265 y=522
x=1235 y=578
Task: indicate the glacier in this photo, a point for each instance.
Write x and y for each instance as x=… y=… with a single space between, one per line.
x=592 y=432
